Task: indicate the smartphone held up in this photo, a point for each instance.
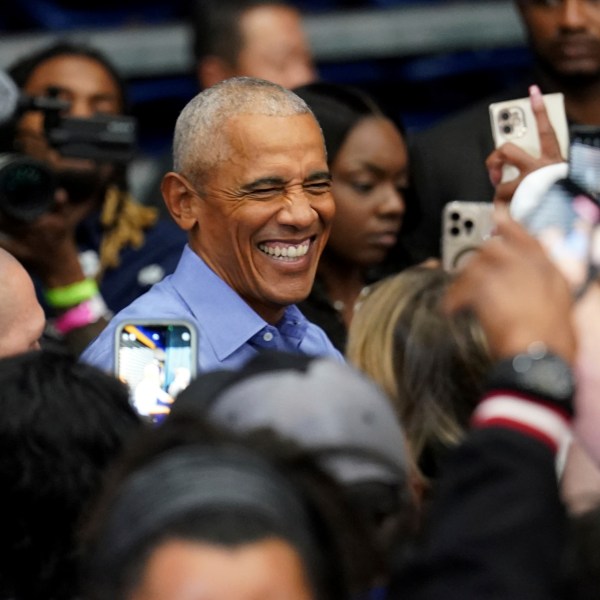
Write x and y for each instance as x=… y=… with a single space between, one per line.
x=514 y=121
x=156 y=359
x=465 y=226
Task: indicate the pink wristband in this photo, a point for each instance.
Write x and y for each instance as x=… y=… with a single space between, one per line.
x=81 y=315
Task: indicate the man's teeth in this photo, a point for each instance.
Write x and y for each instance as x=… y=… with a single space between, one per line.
x=283 y=252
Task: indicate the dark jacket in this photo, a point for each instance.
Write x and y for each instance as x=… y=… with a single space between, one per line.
x=497 y=527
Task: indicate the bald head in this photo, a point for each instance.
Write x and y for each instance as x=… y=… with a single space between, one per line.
x=22 y=318
x=200 y=140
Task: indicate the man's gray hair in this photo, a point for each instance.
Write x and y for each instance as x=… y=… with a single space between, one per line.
x=198 y=143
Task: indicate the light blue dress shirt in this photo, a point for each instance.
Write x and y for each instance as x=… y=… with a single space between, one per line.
x=229 y=331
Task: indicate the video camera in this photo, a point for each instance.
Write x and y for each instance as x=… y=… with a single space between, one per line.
x=27 y=185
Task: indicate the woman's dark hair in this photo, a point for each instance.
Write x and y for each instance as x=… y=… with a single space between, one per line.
x=338 y=109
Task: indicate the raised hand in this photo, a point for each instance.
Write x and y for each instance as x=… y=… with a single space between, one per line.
x=517 y=293
x=511 y=154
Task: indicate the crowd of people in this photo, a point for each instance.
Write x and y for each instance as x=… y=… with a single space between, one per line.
x=360 y=423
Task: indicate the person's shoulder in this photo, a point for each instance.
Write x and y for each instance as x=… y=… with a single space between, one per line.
x=100 y=352
x=158 y=303
x=161 y=301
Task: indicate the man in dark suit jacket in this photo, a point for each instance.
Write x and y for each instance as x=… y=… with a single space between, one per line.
x=448 y=160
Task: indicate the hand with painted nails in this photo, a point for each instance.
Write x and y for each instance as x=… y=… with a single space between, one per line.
x=511 y=154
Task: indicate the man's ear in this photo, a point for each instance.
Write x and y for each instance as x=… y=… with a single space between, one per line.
x=212 y=69
x=180 y=200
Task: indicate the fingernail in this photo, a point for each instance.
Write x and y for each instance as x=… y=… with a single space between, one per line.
x=535 y=95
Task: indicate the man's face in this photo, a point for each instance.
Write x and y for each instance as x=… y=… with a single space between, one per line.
x=275 y=47
x=565 y=35
x=84 y=83
x=263 y=216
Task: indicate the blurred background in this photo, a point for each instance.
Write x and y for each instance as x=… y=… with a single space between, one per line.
x=421 y=59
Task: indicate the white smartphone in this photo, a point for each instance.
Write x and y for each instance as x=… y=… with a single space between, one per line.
x=156 y=359
x=514 y=121
x=465 y=226
x=564 y=217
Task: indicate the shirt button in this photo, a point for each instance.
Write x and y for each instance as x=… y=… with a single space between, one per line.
x=268 y=336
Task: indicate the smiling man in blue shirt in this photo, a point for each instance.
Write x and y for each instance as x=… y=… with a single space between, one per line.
x=251 y=187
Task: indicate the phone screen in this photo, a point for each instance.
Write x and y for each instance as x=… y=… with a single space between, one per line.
x=156 y=360
x=565 y=219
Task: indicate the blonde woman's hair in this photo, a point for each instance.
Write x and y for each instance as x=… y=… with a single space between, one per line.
x=431 y=365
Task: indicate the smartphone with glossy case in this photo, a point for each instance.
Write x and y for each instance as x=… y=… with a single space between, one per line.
x=514 y=121
x=465 y=226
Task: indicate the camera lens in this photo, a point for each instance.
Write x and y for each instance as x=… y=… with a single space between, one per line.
x=507 y=129
x=26 y=187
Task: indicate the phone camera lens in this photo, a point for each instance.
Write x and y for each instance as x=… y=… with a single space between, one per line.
x=469 y=224
x=507 y=129
x=504 y=115
x=455 y=216
x=454 y=231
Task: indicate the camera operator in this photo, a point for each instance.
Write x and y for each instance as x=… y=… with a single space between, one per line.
x=94 y=249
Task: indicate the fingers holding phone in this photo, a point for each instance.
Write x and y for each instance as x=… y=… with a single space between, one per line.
x=528 y=133
x=501 y=161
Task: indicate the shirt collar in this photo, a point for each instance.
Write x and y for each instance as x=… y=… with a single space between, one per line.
x=225 y=319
